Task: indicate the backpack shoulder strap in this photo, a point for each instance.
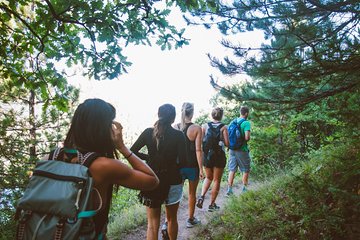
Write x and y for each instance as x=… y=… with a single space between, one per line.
x=55 y=154
x=210 y=125
x=85 y=159
x=89 y=158
x=220 y=125
x=241 y=121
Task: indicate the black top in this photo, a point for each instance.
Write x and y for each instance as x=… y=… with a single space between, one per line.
x=172 y=150
x=191 y=150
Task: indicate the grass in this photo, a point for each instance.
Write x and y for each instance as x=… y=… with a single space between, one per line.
x=126 y=220
x=127 y=214
x=319 y=199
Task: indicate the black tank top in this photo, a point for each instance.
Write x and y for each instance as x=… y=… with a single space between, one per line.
x=191 y=149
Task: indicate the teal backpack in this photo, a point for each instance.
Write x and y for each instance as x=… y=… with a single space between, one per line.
x=57 y=203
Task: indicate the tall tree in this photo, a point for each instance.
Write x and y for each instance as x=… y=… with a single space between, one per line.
x=28 y=130
x=37 y=39
x=311 y=50
x=36 y=34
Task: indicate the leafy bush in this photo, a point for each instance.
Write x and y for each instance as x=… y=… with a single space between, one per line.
x=123 y=198
x=126 y=213
x=126 y=220
x=319 y=199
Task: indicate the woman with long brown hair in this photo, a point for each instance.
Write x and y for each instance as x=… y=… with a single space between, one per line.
x=93 y=131
x=166 y=154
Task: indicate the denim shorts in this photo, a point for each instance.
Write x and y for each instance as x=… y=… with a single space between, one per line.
x=190 y=173
x=241 y=159
x=175 y=194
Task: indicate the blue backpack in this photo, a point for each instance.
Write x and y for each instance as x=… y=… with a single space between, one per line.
x=236 y=139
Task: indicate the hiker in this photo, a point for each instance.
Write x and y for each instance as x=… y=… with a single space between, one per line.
x=166 y=154
x=93 y=129
x=193 y=169
x=240 y=158
x=214 y=157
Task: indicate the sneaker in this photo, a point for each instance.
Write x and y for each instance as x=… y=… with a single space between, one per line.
x=229 y=192
x=164 y=232
x=200 y=202
x=244 y=189
x=213 y=207
x=192 y=222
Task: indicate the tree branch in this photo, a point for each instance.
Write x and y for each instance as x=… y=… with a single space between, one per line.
x=10 y=11
x=296 y=102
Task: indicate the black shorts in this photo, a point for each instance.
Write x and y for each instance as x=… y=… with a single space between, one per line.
x=214 y=159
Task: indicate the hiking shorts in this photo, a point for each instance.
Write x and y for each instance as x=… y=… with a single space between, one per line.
x=239 y=159
x=214 y=160
x=175 y=194
x=190 y=173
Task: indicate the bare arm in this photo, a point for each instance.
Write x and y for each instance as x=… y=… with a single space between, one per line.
x=225 y=136
x=247 y=135
x=140 y=176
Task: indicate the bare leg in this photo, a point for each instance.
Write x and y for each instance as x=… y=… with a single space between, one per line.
x=218 y=172
x=231 y=178
x=192 y=197
x=245 y=178
x=207 y=181
x=171 y=217
x=153 y=218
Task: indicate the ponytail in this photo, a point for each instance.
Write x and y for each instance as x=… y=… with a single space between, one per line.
x=166 y=114
x=187 y=111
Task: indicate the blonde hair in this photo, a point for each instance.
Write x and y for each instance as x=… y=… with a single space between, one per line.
x=187 y=111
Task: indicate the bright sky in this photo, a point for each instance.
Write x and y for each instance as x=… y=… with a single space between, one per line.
x=157 y=77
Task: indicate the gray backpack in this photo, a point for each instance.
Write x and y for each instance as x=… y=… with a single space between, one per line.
x=57 y=203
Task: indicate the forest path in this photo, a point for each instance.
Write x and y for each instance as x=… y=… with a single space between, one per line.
x=202 y=214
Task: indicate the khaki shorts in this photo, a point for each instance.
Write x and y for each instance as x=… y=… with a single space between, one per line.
x=239 y=159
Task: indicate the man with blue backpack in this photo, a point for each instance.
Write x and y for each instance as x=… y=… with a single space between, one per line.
x=239 y=157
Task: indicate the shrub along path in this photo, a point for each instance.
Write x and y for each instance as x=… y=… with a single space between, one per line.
x=203 y=214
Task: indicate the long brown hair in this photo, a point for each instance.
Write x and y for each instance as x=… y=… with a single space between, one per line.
x=166 y=114
x=90 y=129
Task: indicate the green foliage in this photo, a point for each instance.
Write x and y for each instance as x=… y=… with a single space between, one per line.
x=126 y=213
x=38 y=40
x=318 y=199
x=123 y=198
x=310 y=52
x=126 y=220
x=35 y=36
x=198 y=5
x=30 y=126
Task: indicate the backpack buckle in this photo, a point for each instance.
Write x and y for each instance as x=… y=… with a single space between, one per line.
x=60 y=224
x=25 y=216
x=72 y=220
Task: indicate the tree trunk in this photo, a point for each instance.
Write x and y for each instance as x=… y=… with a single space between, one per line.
x=32 y=149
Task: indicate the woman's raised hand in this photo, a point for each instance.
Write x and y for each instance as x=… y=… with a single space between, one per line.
x=117 y=136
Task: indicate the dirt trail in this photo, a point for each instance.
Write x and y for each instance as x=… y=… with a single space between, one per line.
x=202 y=214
